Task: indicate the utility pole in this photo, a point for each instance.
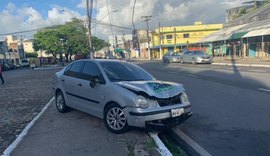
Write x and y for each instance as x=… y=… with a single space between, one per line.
x=160 y=49
x=174 y=30
x=147 y=18
x=89 y=14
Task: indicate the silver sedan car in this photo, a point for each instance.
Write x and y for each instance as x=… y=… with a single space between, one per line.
x=122 y=94
x=171 y=57
x=195 y=57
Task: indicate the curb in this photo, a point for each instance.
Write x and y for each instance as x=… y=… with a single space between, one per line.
x=163 y=150
x=242 y=65
x=48 y=68
x=12 y=146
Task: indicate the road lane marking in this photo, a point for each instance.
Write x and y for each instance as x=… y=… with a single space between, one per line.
x=189 y=75
x=191 y=142
x=12 y=146
x=262 y=89
x=163 y=150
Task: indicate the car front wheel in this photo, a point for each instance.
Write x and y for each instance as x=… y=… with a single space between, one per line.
x=115 y=119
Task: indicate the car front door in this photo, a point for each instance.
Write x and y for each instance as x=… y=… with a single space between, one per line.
x=70 y=81
x=91 y=95
x=185 y=56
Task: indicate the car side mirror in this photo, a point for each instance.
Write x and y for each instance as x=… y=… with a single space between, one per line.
x=94 y=81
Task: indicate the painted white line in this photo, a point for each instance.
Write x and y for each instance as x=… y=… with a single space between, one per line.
x=162 y=148
x=191 y=142
x=12 y=146
x=181 y=74
x=262 y=89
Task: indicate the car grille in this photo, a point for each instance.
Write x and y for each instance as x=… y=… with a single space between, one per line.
x=169 y=101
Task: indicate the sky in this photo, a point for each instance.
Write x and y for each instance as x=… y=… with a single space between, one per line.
x=21 y=15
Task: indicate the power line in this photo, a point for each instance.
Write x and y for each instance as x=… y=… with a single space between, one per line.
x=32 y=30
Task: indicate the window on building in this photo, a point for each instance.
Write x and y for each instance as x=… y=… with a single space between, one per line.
x=169 y=37
x=185 y=35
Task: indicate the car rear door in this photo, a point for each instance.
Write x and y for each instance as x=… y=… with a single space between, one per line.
x=70 y=81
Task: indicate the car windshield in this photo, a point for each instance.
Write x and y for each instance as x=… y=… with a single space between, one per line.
x=198 y=52
x=175 y=54
x=121 y=71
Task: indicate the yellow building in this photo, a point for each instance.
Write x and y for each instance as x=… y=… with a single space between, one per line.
x=177 y=38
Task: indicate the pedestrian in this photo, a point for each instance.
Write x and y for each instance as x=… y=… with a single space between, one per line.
x=1 y=75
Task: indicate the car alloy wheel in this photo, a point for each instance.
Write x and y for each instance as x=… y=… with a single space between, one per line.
x=115 y=119
x=193 y=61
x=181 y=61
x=60 y=102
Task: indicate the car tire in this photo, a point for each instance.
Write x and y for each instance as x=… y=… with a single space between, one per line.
x=60 y=102
x=193 y=61
x=181 y=61
x=115 y=119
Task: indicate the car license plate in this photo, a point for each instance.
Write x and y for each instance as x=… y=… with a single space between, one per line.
x=177 y=112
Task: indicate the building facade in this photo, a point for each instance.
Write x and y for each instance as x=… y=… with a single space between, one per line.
x=178 y=38
x=140 y=43
x=120 y=44
x=245 y=36
x=28 y=46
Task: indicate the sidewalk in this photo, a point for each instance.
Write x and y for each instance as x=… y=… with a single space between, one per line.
x=241 y=62
x=244 y=62
x=77 y=133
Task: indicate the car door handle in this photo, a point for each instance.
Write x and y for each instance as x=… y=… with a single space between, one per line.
x=80 y=84
x=63 y=80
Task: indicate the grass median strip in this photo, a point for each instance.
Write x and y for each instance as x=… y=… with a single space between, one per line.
x=172 y=147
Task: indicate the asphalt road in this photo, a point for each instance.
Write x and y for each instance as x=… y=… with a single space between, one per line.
x=230 y=104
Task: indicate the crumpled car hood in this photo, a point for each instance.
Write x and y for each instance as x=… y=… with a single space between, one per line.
x=158 y=89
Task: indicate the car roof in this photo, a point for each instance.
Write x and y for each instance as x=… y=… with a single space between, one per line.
x=101 y=60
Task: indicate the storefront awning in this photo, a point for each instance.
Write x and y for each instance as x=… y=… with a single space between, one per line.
x=260 y=32
x=222 y=34
x=238 y=35
x=118 y=50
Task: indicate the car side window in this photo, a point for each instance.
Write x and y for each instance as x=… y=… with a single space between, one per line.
x=186 y=53
x=91 y=69
x=68 y=68
x=74 y=69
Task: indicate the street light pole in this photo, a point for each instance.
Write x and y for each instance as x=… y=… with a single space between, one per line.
x=89 y=14
x=147 y=18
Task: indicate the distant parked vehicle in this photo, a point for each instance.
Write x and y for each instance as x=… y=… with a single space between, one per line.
x=171 y=57
x=6 y=67
x=195 y=57
x=110 y=57
x=25 y=63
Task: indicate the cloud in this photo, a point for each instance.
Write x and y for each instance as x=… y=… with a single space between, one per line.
x=169 y=13
x=15 y=19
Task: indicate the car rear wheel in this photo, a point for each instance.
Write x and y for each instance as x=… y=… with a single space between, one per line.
x=115 y=119
x=61 y=103
x=181 y=61
x=193 y=61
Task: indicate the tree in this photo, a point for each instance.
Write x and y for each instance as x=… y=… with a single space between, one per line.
x=68 y=39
